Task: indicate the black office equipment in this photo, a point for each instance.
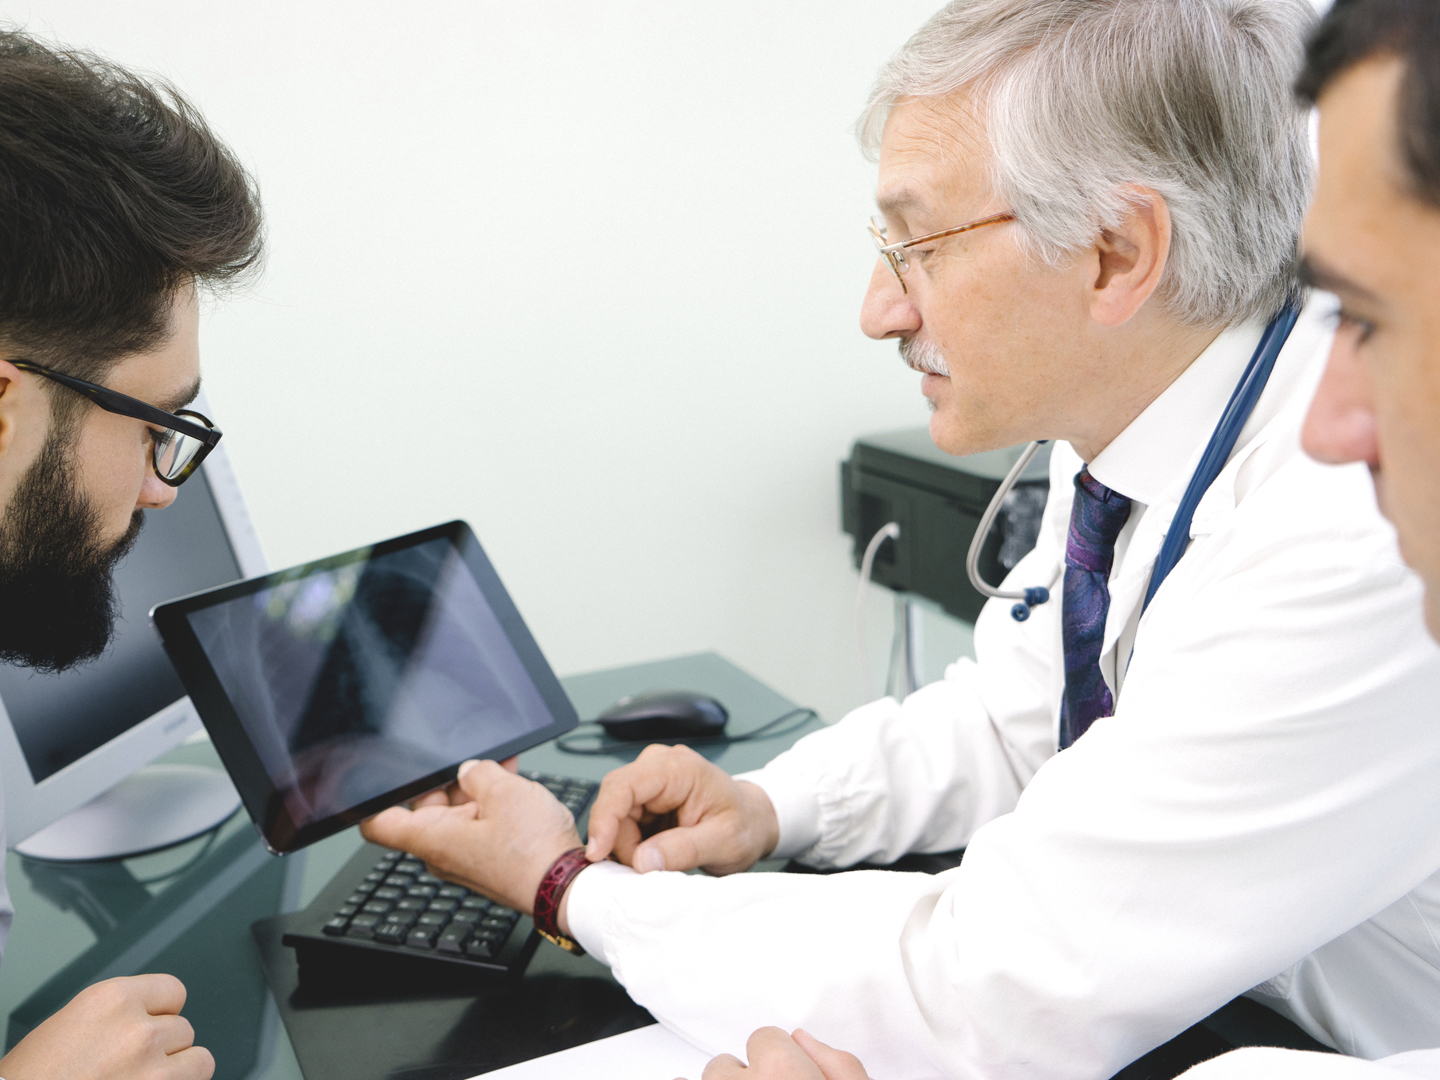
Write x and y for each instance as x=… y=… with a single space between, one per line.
x=937 y=500
x=664 y=714
x=342 y=687
x=384 y=918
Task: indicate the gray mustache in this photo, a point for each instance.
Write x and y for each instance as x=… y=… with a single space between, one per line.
x=924 y=356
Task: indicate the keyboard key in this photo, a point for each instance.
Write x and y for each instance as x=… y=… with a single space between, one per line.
x=465 y=917
x=375 y=877
x=392 y=933
x=500 y=925
x=426 y=891
x=401 y=918
x=387 y=892
x=346 y=910
x=452 y=940
x=412 y=903
x=357 y=898
x=410 y=866
x=428 y=879
x=378 y=907
x=483 y=948
x=422 y=937
x=402 y=881
x=390 y=856
x=453 y=892
x=503 y=912
x=447 y=906
x=336 y=926
x=434 y=918
x=475 y=903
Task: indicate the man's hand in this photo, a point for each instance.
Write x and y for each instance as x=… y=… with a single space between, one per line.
x=491 y=831
x=693 y=813
x=776 y=1056
x=120 y=1029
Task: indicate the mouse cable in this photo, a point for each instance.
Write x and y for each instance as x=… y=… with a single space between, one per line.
x=568 y=745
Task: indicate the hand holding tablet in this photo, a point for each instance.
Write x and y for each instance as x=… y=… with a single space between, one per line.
x=493 y=831
x=342 y=687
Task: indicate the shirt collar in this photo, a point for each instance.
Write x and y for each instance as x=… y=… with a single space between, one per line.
x=1145 y=459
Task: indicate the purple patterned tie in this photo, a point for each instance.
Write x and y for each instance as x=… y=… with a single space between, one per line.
x=1096 y=520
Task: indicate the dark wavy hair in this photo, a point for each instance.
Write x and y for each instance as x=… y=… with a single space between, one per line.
x=114 y=194
x=1355 y=30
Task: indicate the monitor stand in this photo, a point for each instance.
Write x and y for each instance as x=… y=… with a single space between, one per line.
x=157 y=807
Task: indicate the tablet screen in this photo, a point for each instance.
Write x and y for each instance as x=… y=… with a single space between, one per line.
x=357 y=676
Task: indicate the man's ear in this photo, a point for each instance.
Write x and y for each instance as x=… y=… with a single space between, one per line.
x=1130 y=258
x=9 y=377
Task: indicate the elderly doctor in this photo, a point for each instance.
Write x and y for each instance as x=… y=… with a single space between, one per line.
x=1164 y=805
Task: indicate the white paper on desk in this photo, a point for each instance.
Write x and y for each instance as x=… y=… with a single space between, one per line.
x=648 y=1053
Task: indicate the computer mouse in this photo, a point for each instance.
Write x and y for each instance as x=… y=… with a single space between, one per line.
x=664 y=714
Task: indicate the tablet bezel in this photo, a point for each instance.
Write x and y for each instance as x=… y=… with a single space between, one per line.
x=262 y=799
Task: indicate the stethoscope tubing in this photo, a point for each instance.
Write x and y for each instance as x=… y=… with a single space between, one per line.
x=1028 y=597
x=1217 y=452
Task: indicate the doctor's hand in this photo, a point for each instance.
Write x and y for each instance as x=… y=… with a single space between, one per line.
x=776 y=1056
x=671 y=809
x=119 y=1029
x=491 y=831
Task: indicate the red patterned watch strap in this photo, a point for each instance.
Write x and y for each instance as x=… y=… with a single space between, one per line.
x=552 y=888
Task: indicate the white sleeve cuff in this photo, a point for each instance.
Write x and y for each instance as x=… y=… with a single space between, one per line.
x=586 y=906
x=796 y=809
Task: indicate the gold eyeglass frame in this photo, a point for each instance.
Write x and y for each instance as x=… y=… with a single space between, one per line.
x=894 y=254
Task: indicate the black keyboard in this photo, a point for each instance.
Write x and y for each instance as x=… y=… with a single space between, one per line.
x=384 y=902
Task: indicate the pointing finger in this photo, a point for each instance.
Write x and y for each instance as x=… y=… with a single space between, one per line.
x=651 y=783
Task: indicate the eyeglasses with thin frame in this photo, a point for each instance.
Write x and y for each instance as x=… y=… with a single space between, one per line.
x=894 y=254
x=183 y=440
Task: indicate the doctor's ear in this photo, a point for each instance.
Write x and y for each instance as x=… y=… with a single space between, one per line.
x=1129 y=259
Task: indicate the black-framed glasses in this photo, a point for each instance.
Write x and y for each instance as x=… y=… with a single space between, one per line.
x=182 y=442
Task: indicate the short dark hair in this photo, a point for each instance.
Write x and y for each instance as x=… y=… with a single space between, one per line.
x=114 y=194
x=1409 y=30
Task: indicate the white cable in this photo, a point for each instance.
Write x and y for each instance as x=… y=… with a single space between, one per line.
x=889 y=531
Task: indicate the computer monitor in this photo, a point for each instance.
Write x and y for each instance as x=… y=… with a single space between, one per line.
x=67 y=739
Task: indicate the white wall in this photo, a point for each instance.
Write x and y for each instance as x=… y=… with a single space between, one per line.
x=584 y=273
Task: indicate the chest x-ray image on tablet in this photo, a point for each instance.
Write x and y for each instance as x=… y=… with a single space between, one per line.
x=338 y=688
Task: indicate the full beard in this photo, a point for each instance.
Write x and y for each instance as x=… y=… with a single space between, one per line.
x=57 y=594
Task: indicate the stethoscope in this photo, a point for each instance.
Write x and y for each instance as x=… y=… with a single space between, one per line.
x=1217 y=452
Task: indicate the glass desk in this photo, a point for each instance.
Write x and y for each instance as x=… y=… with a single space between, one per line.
x=188 y=911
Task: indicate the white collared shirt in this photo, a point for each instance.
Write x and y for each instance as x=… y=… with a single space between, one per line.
x=1261 y=808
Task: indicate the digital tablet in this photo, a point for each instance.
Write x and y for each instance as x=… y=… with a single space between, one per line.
x=339 y=688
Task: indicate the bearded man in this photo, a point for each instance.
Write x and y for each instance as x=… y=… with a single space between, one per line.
x=117 y=205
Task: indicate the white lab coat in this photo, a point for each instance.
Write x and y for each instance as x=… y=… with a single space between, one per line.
x=1272 y=1064
x=1268 y=782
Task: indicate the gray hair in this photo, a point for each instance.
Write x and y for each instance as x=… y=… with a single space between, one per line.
x=1192 y=98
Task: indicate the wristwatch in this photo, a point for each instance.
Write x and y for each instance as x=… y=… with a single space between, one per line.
x=548 y=896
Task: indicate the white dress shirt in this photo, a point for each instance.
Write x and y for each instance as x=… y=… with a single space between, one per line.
x=1261 y=808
